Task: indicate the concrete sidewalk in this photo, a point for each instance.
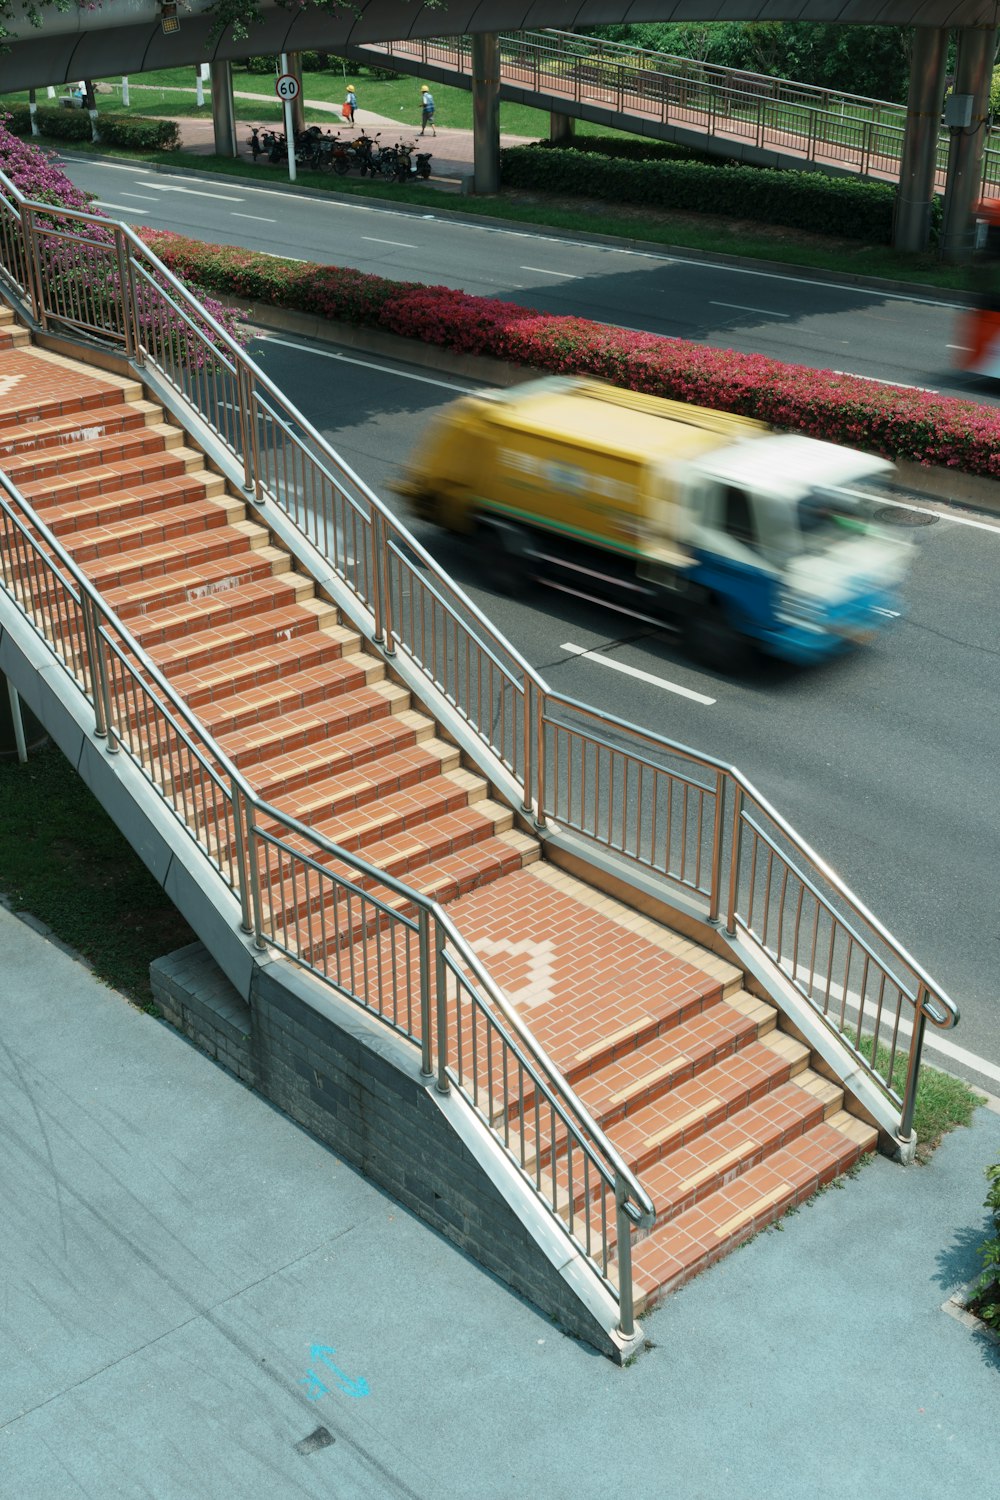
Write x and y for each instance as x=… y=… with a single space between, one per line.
x=200 y=1300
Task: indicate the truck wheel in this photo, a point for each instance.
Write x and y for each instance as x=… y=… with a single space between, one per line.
x=712 y=641
x=501 y=549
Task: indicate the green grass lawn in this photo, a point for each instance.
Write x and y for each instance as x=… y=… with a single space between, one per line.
x=160 y=93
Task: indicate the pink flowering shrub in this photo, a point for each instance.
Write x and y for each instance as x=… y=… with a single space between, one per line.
x=892 y=420
x=80 y=266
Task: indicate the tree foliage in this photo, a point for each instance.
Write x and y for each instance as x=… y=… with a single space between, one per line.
x=870 y=60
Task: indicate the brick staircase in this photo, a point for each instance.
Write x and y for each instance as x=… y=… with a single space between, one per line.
x=716 y=1108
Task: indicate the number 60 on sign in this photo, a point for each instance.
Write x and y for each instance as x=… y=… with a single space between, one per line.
x=287 y=86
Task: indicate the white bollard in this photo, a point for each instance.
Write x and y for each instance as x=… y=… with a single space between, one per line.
x=125 y=98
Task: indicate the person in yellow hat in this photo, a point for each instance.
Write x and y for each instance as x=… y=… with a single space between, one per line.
x=350 y=104
x=426 y=109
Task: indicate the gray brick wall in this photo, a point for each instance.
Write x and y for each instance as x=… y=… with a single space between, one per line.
x=357 y=1088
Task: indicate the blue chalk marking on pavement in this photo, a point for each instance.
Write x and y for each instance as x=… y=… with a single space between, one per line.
x=345 y=1384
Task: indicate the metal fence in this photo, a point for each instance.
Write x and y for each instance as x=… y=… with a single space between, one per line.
x=818 y=125
x=686 y=819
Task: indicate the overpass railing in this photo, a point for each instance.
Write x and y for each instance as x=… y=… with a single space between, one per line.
x=683 y=819
x=818 y=125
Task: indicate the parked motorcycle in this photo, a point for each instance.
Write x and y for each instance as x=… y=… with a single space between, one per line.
x=410 y=162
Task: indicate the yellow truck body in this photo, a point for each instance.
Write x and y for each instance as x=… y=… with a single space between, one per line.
x=572 y=456
x=731 y=532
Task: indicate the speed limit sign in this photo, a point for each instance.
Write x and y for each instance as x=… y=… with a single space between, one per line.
x=287 y=86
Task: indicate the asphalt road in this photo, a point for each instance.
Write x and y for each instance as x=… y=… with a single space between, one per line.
x=884 y=761
x=881 y=335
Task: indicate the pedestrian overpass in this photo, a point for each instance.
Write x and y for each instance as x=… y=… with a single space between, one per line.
x=135 y=36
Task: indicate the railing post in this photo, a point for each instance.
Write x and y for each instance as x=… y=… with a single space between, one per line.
x=528 y=751
x=384 y=586
x=866 y=150
x=139 y=354
x=33 y=263
x=238 y=802
x=248 y=430
x=540 y=778
x=443 y=1084
x=93 y=670
x=129 y=318
x=626 y=1302
x=734 y=857
x=426 y=991
x=715 y=893
x=913 y=1066
x=256 y=902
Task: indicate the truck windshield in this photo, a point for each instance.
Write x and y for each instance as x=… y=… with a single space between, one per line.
x=827 y=517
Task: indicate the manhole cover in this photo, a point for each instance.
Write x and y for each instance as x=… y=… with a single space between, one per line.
x=895 y=515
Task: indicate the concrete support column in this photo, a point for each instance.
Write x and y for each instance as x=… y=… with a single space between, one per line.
x=223 y=116
x=561 y=127
x=923 y=115
x=20 y=731
x=973 y=71
x=486 y=113
x=298 y=105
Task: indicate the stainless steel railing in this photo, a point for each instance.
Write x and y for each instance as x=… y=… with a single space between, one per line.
x=656 y=805
x=818 y=125
x=371 y=937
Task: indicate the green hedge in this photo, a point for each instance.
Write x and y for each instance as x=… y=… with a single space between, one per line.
x=64 y=124
x=636 y=148
x=138 y=134
x=17 y=119
x=808 y=201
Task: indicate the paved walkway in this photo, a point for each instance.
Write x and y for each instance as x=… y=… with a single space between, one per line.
x=200 y=1300
x=451 y=149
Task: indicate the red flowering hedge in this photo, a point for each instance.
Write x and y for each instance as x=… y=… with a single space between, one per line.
x=892 y=420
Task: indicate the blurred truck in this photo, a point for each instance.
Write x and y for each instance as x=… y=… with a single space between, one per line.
x=734 y=534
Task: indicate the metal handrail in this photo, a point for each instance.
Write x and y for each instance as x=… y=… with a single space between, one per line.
x=257 y=400
x=682 y=88
x=632 y=1202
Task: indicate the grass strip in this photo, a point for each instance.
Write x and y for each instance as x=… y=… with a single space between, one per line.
x=63 y=860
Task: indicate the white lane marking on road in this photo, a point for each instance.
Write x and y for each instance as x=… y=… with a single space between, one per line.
x=541 y=271
x=368 y=364
x=169 y=187
x=273 y=255
x=143 y=197
x=400 y=244
x=765 y=312
x=112 y=166
x=960 y=1055
x=551 y=239
x=120 y=208
x=877 y=380
x=926 y=510
x=257 y=218
x=618 y=666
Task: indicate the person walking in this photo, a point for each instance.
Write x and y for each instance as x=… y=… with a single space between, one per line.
x=426 y=109
x=350 y=104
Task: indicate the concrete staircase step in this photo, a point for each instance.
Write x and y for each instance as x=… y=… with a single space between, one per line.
x=702 y=1234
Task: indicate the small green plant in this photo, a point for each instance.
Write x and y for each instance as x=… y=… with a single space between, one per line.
x=943 y=1101
x=985 y=1301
